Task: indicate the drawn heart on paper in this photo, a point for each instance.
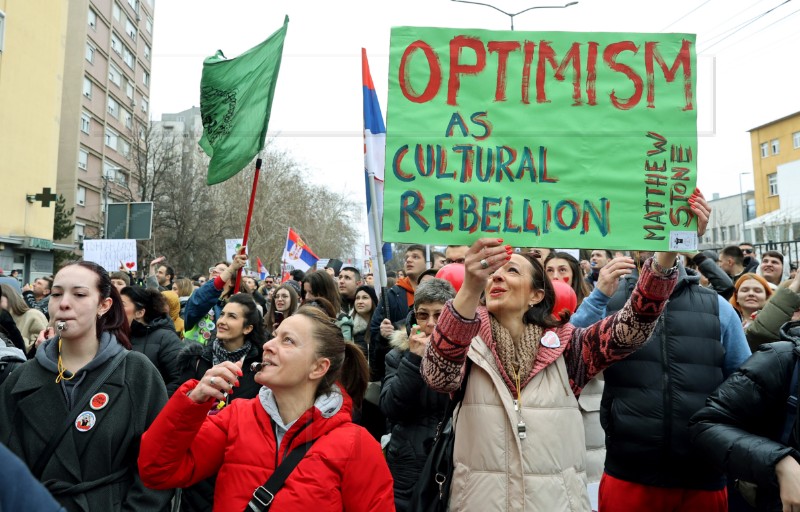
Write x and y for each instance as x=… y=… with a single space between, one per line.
x=130 y=264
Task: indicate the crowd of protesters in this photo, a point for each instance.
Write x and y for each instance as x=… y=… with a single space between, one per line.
x=622 y=382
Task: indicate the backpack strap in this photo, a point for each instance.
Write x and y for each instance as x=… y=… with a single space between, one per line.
x=265 y=493
x=791 y=405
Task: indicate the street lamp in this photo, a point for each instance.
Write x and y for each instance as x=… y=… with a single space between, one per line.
x=742 y=201
x=510 y=15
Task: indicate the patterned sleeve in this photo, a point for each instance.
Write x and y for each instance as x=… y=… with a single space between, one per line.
x=596 y=347
x=446 y=354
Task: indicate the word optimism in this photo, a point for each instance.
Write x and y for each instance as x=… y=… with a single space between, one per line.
x=468 y=56
x=501 y=164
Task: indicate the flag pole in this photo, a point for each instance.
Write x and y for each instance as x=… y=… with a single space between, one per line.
x=247 y=222
x=380 y=271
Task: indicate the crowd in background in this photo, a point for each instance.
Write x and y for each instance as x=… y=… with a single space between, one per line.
x=618 y=382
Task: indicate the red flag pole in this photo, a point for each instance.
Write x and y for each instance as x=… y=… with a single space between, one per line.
x=247 y=222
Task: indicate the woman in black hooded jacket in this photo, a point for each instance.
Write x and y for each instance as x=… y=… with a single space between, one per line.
x=152 y=332
x=742 y=425
x=413 y=409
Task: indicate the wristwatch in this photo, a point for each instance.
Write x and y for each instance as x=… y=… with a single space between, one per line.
x=664 y=271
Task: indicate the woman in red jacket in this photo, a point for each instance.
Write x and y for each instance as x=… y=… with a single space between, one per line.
x=304 y=368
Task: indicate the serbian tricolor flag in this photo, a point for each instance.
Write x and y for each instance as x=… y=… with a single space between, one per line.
x=297 y=254
x=262 y=270
x=374 y=155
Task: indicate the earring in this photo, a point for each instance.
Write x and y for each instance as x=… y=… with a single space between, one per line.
x=530 y=305
x=99 y=315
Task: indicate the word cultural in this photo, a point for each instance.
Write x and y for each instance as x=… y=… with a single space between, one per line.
x=489 y=214
x=468 y=57
x=667 y=191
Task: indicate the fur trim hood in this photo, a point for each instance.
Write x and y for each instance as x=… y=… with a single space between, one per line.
x=399 y=340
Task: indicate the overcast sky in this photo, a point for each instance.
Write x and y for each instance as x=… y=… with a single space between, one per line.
x=747 y=76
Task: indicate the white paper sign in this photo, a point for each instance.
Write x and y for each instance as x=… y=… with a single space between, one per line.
x=111 y=254
x=231 y=247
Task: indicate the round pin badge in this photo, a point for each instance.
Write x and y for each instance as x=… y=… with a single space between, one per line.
x=85 y=421
x=98 y=401
x=550 y=340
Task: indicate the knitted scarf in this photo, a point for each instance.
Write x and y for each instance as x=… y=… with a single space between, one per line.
x=219 y=353
x=515 y=359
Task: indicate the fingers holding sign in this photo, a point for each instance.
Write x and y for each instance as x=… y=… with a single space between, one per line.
x=701 y=209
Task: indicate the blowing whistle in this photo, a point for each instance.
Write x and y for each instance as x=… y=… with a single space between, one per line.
x=257 y=366
x=61 y=326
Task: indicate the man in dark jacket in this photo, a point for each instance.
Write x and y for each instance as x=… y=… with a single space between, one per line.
x=413 y=409
x=740 y=430
x=397 y=300
x=650 y=396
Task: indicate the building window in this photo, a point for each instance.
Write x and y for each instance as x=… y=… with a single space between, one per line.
x=130 y=28
x=80 y=197
x=129 y=91
x=112 y=138
x=79 y=232
x=128 y=119
x=141 y=132
x=732 y=232
x=85 y=122
x=90 y=53
x=776 y=146
x=147 y=51
x=116 y=12
x=116 y=44
x=113 y=107
x=772 y=180
x=148 y=25
x=764 y=149
x=92 y=19
x=795 y=138
x=126 y=148
x=87 y=87
x=110 y=170
x=145 y=104
x=132 y=3
x=128 y=57
x=122 y=179
x=83 y=159
x=115 y=75
x=146 y=78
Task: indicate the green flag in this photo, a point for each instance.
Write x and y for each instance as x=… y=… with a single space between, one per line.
x=235 y=102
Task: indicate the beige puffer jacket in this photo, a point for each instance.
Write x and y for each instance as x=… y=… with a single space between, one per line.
x=495 y=470
x=589 y=403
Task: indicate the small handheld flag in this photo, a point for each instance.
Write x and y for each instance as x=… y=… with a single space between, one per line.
x=297 y=253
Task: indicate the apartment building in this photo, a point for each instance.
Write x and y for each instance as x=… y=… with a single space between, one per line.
x=105 y=107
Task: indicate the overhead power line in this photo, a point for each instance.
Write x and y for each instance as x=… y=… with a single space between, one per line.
x=745 y=24
x=684 y=16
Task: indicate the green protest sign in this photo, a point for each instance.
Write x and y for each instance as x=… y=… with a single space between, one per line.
x=546 y=139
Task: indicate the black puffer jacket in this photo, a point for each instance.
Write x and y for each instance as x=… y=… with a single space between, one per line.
x=650 y=395
x=159 y=342
x=738 y=428
x=194 y=361
x=414 y=410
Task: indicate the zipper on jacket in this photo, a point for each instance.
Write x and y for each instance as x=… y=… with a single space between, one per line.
x=288 y=442
x=666 y=394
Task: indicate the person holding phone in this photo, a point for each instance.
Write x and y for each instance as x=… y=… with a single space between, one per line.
x=283 y=304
